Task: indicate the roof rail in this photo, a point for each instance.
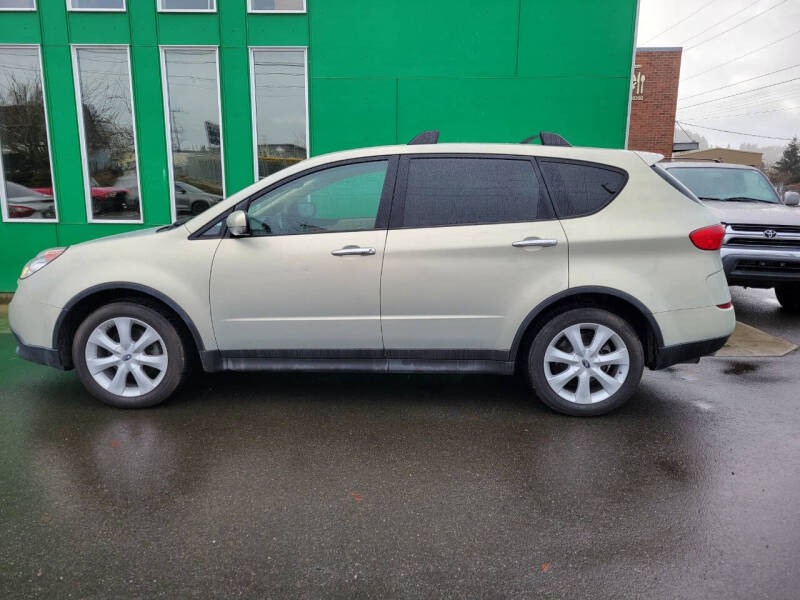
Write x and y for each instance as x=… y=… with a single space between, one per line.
x=547 y=139
x=679 y=158
x=426 y=137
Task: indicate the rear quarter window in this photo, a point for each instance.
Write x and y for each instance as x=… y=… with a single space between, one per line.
x=578 y=189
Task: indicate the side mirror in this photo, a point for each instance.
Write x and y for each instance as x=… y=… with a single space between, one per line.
x=791 y=198
x=238 y=223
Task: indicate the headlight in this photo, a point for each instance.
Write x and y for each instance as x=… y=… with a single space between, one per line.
x=44 y=258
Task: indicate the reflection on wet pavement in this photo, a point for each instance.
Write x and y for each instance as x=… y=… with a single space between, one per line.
x=322 y=485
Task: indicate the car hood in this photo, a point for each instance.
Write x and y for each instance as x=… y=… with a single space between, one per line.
x=754 y=213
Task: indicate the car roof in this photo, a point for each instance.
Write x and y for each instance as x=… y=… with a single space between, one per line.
x=706 y=164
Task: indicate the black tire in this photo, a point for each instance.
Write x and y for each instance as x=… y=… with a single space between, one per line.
x=198 y=207
x=557 y=324
x=178 y=361
x=788 y=295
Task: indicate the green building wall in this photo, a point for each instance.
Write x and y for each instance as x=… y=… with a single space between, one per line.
x=380 y=71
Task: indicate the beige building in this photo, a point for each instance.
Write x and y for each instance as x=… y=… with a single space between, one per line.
x=726 y=155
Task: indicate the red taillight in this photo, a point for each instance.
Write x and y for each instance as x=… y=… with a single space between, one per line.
x=725 y=306
x=708 y=238
x=19 y=212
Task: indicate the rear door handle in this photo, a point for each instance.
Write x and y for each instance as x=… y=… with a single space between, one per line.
x=534 y=242
x=353 y=251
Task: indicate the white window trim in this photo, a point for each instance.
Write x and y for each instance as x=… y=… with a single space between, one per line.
x=3 y=192
x=167 y=120
x=19 y=10
x=263 y=11
x=253 y=112
x=186 y=10
x=70 y=8
x=87 y=184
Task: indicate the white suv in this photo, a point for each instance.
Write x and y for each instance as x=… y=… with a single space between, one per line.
x=575 y=266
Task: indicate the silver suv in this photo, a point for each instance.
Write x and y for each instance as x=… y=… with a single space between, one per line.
x=762 y=234
x=577 y=267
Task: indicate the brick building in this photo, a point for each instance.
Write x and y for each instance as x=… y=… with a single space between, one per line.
x=654 y=99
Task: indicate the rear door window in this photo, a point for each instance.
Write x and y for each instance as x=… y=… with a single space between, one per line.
x=445 y=191
x=578 y=189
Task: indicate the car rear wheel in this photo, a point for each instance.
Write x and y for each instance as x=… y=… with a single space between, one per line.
x=789 y=296
x=198 y=207
x=585 y=362
x=129 y=355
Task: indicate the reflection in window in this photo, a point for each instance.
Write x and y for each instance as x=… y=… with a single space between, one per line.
x=186 y=5
x=344 y=198
x=17 y=4
x=195 y=134
x=279 y=81
x=107 y=127
x=277 y=5
x=97 y=4
x=26 y=181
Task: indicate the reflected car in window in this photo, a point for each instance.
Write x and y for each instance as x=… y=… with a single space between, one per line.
x=27 y=203
x=191 y=200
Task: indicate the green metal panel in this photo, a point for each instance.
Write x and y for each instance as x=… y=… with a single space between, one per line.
x=379 y=72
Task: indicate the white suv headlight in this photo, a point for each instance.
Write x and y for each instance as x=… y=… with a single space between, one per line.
x=41 y=260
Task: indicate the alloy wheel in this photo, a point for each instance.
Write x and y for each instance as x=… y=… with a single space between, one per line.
x=586 y=363
x=126 y=357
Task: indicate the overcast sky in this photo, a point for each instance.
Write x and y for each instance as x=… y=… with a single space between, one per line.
x=699 y=26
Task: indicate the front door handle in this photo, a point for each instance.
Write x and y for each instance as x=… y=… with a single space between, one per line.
x=353 y=251
x=534 y=242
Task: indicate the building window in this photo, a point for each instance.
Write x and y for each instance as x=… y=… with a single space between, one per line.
x=187 y=5
x=280 y=108
x=17 y=4
x=26 y=179
x=194 y=127
x=277 y=6
x=96 y=5
x=104 y=96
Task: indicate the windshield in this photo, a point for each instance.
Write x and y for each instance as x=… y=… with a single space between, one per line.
x=719 y=183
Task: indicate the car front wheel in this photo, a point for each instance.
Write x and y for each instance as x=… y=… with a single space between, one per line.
x=129 y=355
x=789 y=296
x=585 y=362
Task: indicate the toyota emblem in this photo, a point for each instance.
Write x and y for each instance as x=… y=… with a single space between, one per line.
x=770 y=233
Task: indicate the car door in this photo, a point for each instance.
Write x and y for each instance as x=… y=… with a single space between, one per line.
x=307 y=278
x=473 y=247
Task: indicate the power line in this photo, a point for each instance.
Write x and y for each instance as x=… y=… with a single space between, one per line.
x=747 y=114
x=755 y=16
x=766 y=137
x=741 y=56
x=763 y=87
x=741 y=82
x=707 y=29
x=673 y=26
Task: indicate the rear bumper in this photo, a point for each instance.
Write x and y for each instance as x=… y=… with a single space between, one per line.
x=760 y=267
x=689 y=352
x=38 y=354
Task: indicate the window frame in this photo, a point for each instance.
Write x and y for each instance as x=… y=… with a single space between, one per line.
x=160 y=8
x=124 y=8
x=398 y=206
x=585 y=163
x=262 y=11
x=87 y=184
x=251 y=50
x=384 y=204
x=3 y=190
x=162 y=50
x=33 y=9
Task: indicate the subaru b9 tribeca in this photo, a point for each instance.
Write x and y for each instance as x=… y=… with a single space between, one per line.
x=577 y=267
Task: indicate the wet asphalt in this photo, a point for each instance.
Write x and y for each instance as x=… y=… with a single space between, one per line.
x=366 y=486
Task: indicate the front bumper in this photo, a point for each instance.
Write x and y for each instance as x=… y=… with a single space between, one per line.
x=38 y=354
x=757 y=267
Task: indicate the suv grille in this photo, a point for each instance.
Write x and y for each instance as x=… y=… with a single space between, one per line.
x=765 y=236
